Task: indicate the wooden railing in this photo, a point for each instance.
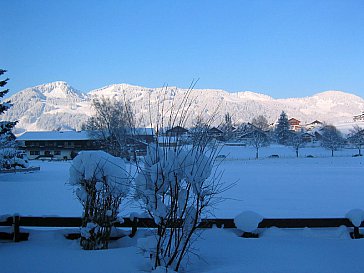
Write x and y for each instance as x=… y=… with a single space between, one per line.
x=17 y=221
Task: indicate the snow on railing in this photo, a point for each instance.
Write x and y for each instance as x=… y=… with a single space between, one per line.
x=17 y=221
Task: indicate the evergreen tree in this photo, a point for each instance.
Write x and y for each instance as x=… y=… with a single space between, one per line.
x=282 y=131
x=6 y=136
x=10 y=157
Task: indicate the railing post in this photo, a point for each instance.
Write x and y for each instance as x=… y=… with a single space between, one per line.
x=16 y=228
x=356 y=233
x=134 y=227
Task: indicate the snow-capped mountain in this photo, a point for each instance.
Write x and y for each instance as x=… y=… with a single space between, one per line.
x=57 y=105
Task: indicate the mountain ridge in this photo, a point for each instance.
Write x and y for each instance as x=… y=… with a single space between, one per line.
x=57 y=105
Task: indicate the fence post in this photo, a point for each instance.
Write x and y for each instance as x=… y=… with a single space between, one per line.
x=356 y=233
x=16 y=229
x=134 y=227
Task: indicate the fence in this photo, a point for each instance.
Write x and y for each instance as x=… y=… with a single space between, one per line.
x=17 y=221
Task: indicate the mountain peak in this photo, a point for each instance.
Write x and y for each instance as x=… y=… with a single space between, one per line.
x=335 y=95
x=57 y=89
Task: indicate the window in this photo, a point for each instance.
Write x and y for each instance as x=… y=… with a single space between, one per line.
x=34 y=152
x=57 y=152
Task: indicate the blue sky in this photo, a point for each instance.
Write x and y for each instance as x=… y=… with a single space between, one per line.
x=281 y=48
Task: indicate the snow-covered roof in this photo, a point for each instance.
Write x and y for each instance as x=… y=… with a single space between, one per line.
x=55 y=135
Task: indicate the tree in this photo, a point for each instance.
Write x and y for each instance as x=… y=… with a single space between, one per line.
x=227 y=127
x=282 y=132
x=176 y=185
x=356 y=138
x=112 y=125
x=9 y=156
x=200 y=132
x=297 y=141
x=260 y=122
x=6 y=136
x=331 y=138
x=257 y=139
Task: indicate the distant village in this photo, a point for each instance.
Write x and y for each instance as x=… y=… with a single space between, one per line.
x=64 y=145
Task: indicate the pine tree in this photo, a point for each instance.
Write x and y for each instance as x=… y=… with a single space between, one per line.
x=6 y=136
x=282 y=132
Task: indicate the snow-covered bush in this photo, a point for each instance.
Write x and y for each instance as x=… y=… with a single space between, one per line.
x=176 y=182
x=101 y=184
x=11 y=158
x=175 y=189
x=248 y=221
x=356 y=216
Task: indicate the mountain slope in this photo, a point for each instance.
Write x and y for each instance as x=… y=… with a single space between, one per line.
x=59 y=106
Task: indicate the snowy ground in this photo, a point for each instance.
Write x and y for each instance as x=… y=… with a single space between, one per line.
x=274 y=187
x=220 y=251
x=281 y=187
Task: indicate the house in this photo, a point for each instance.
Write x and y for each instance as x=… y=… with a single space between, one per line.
x=215 y=133
x=146 y=135
x=251 y=132
x=169 y=141
x=359 y=117
x=66 y=144
x=176 y=131
x=139 y=139
x=294 y=124
x=313 y=125
x=55 y=144
x=308 y=137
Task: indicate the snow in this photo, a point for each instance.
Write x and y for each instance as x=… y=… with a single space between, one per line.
x=356 y=216
x=162 y=269
x=99 y=165
x=55 y=135
x=248 y=221
x=276 y=188
x=283 y=187
x=44 y=192
x=219 y=250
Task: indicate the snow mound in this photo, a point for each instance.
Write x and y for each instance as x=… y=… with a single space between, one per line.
x=248 y=221
x=162 y=269
x=356 y=216
x=102 y=168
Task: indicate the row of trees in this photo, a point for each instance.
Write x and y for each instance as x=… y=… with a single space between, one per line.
x=258 y=134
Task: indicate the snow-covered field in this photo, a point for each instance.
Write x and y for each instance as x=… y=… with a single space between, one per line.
x=274 y=187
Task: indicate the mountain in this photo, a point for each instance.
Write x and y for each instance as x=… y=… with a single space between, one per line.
x=57 y=105
x=49 y=106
